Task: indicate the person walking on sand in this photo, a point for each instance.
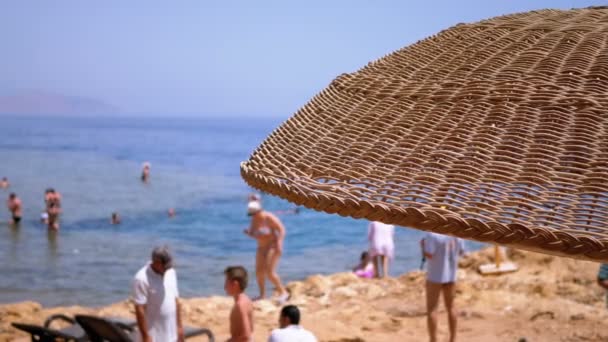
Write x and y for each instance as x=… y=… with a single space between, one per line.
x=269 y=232
x=442 y=254
x=14 y=206
x=52 y=199
x=290 y=329
x=156 y=298
x=602 y=279
x=381 y=246
x=241 y=315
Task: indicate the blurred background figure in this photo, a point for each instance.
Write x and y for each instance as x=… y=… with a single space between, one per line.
x=52 y=200
x=442 y=253
x=381 y=246
x=254 y=197
x=4 y=184
x=602 y=279
x=14 y=206
x=365 y=269
x=115 y=218
x=44 y=218
x=145 y=172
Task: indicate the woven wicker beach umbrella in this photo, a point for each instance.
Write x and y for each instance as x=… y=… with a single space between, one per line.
x=495 y=131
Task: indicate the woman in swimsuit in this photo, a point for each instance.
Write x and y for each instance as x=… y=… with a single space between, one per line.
x=52 y=200
x=269 y=232
x=365 y=269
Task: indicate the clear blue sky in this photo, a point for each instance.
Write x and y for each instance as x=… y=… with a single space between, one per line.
x=254 y=58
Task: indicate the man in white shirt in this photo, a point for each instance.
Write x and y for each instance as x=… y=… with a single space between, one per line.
x=291 y=330
x=442 y=253
x=156 y=296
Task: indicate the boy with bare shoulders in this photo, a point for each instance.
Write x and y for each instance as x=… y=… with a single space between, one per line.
x=241 y=315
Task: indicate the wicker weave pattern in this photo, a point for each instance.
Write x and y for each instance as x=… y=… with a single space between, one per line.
x=494 y=131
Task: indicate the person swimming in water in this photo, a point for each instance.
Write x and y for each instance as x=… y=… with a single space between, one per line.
x=52 y=199
x=145 y=173
x=269 y=233
x=115 y=218
x=14 y=206
x=291 y=211
x=171 y=213
x=4 y=184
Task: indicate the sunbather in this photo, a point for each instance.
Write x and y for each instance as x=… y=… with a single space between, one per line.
x=365 y=269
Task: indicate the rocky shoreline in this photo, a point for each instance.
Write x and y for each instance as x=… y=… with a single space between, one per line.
x=548 y=299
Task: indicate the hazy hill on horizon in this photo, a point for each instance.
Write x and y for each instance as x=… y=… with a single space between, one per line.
x=42 y=102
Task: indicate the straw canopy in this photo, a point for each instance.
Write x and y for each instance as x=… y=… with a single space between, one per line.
x=495 y=131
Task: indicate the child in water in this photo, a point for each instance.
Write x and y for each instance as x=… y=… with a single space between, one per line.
x=365 y=269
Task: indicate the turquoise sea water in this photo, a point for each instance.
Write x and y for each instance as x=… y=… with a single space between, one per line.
x=96 y=163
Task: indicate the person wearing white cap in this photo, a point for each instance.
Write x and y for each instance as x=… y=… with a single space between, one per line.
x=269 y=232
x=254 y=197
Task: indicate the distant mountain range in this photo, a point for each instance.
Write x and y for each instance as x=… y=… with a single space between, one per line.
x=49 y=103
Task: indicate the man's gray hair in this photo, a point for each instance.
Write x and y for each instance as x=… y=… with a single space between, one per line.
x=162 y=254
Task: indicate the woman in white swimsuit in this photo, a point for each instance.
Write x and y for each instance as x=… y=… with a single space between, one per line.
x=269 y=232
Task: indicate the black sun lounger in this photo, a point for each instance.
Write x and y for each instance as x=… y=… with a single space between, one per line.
x=103 y=330
x=71 y=333
x=45 y=333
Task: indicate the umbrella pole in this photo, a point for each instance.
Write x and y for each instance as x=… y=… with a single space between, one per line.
x=497 y=256
x=499 y=266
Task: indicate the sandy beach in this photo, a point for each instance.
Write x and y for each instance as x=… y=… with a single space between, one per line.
x=548 y=299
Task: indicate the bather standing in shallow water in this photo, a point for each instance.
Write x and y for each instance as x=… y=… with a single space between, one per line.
x=52 y=199
x=14 y=206
x=115 y=219
x=145 y=172
x=269 y=232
